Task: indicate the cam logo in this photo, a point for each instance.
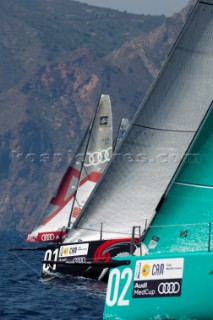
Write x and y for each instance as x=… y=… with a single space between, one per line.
x=146 y=270
x=103 y=120
x=66 y=251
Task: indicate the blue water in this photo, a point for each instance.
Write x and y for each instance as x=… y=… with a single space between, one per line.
x=25 y=295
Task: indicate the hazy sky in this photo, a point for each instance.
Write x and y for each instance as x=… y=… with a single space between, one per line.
x=154 y=7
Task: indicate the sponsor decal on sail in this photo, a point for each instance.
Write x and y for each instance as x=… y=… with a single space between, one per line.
x=103 y=120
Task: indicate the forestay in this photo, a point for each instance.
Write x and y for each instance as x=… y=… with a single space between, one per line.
x=158 y=137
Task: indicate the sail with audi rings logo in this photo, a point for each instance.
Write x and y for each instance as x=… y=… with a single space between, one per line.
x=79 y=179
x=97 y=156
x=141 y=169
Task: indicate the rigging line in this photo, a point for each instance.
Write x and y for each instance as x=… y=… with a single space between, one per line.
x=75 y=200
x=196 y=51
x=22 y=237
x=166 y=130
x=180 y=225
x=207 y=3
x=42 y=213
x=25 y=263
x=78 y=203
x=92 y=138
x=85 y=169
x=105 y=231
x=90 y=129
x=85 y=139
x=193 y=185
x=71 y=165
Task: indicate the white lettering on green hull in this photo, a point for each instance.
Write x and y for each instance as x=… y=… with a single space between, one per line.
x=158 y=278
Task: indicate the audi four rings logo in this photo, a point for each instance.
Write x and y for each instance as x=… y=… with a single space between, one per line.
x=47 y=237
x=169 y=288
x=97 y=157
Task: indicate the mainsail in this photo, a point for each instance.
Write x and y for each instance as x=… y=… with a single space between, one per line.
x=80 y=178
x=160 y=133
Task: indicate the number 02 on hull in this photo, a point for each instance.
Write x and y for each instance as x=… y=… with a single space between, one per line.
x=161 y=287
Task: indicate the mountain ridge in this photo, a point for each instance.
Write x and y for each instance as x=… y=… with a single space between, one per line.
x=50 y=87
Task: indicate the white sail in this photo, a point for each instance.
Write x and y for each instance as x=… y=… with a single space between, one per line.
x=80 y=178
x=97 y=157
x=160 y=133
x=124 y=125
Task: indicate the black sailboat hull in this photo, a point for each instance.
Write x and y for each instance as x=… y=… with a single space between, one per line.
x=89 y=259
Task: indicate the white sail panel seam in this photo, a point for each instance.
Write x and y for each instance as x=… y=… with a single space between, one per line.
x=162 y=129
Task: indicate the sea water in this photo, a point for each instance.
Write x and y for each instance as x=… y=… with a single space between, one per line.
x=25 y=295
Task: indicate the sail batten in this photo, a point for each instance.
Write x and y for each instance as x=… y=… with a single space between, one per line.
x=147 y=159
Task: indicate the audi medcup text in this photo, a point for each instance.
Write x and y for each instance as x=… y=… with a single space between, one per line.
x=157 y=288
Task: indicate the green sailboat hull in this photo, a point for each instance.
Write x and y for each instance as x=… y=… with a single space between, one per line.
x=162 y=287
x=175 y=281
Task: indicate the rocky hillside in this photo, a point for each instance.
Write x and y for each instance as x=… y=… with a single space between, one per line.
x=53 y=69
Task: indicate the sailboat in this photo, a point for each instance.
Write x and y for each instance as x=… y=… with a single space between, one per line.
x=139 y=173
x=79 y=179
x=175 y=280
x=171 y=281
